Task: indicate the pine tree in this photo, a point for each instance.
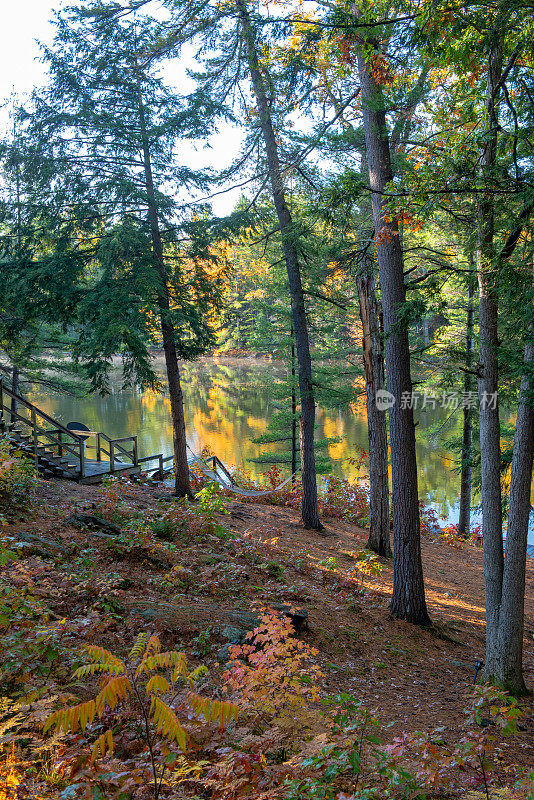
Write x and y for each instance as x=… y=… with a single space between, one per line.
x=232 y=34
x=33 y=350
x=109 y=129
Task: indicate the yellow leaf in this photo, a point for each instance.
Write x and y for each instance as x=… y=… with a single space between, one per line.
x=103 y=743
x=157 y=683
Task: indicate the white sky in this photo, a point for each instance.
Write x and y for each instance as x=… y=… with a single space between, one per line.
x=25 y=21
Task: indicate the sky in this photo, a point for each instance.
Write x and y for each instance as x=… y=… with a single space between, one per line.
x=24 y=22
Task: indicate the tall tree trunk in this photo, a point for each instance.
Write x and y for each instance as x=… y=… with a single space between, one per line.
x=310 y=509
x=408 y=601
x=464 y=522
x=504 y=577
x=182 y=485
x=506 y=666
x=293 y=413
x=490 y=431
x=373 y=361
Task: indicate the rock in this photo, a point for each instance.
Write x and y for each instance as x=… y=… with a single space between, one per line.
x=243 y=619
x=298 y=616
x=40 y=546
x=90 y=520
x=154 y=615
x=210 y=558
x=232 y=634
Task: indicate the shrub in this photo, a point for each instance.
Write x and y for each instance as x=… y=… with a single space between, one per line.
x=112 y=503
x=439 y=765
x=369 y=564
x=17 y=479
x=274 y=674
x=195 y=519
x=163 y=529
x=147 y=685
x=345 y=500
x=338 y=499
x=352 y=760
x=429 y=521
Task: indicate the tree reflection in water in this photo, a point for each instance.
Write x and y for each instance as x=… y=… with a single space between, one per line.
x=227 y=405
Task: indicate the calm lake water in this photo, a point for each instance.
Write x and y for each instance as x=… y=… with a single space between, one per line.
x=227 y=405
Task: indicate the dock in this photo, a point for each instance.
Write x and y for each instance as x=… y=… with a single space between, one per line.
x=60 y=452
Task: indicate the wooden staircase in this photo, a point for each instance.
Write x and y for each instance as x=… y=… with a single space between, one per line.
x=61 y=453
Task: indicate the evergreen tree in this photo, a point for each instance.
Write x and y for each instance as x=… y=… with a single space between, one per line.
x=489 y=159
x=238 y=70
x=109 y=128
x=33 y=350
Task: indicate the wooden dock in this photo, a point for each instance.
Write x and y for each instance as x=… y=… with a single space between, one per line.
x=62 y=453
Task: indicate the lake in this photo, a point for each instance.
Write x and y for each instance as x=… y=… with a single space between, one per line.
x=227 y=404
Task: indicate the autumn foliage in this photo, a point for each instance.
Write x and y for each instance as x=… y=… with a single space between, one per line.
x=274 y=674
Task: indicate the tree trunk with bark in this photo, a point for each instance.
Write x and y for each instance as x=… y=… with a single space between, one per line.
x=504 y=578
x=408 y=601
x=373 y=360
x=506 y=667
x=293 y=413
x=182 y=485
x=464 y=521
x=488 y=382
x=310 y=509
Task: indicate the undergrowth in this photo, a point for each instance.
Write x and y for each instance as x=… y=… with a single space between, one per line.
x=17 y=481
x=106 y=725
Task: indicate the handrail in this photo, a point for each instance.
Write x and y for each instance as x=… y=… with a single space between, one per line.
x=30 y=406
x=57 y=442
x=120 y=439
x=122 y=450
x=144 y=459
x=155 y=457
x=76 y=447
x=215 y=460
x=42 y=432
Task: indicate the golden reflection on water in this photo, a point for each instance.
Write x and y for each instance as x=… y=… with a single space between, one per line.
x=227 y=405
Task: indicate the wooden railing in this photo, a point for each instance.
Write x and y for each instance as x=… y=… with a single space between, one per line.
x=161 y=459
x=217 y=463
x=61 y=439
x=35 y=420
x=76 y=443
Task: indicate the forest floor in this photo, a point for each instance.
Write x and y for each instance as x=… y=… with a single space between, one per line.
x=111 y=586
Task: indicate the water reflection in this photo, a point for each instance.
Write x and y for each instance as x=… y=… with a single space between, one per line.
x=227 y=406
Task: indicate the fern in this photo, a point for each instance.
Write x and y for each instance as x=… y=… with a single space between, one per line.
x=121 y=684
x=103 y=745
